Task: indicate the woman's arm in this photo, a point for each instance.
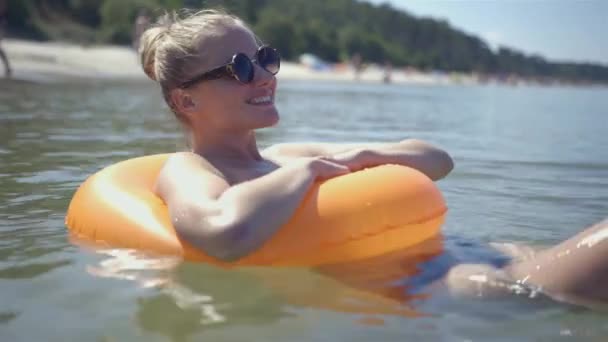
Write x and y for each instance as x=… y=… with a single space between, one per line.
x=229 y=222
x=428 y=159
x=315 y=149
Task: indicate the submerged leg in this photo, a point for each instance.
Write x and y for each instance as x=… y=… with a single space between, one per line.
x=575 y=271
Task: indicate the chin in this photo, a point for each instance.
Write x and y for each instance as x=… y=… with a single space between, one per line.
x=275 y=117
x=266 y=117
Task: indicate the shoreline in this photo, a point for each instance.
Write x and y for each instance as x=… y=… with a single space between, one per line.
x=56 y=62
x=52 y=62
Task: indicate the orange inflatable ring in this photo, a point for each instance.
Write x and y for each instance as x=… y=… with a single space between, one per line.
x=355 y=216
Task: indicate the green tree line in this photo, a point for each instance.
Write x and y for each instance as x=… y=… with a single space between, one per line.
x=334 y=30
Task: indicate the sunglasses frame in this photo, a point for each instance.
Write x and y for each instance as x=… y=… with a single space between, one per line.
x=228 y=69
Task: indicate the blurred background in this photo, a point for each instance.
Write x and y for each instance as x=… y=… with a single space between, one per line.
x=474 y=41
x=514 y=90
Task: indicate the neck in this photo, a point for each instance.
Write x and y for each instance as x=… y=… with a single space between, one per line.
x=228 y=146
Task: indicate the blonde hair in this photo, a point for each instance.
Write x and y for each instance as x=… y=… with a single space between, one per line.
x=171 y=49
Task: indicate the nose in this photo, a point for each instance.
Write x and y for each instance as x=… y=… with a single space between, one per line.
x=262 y=77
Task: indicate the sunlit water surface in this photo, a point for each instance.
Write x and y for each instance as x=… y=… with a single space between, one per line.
x=531 y=166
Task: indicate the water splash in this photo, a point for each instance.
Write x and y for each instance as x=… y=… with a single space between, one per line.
x=593 y=239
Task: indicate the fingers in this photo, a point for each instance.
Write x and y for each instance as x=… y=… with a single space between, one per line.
x=351 y=159
x=326 y=168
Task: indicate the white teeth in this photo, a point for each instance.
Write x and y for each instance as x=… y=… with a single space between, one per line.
x=261 y=99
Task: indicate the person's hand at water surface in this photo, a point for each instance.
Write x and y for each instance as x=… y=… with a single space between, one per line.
x=430 y=160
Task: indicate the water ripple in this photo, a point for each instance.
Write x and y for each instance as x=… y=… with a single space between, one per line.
x=522 y=174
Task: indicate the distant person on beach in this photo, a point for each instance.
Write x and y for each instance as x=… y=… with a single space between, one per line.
x=357 y=64
x=388 y=71
x=3 y=24
x=142 y=22
x=227 y=197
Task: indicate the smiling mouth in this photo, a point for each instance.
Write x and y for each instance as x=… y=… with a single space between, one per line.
x=261 y=100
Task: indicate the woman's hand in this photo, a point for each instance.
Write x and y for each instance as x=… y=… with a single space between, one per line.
x=325 y=168
x=433 y=162
x=355 y=159
x=417 y=154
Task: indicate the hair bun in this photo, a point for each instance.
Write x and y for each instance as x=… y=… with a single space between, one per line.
x=147 y=49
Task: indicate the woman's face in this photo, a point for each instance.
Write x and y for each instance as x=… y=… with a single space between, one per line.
x=225 y=103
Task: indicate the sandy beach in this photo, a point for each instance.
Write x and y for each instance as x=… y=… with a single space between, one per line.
x=50 y=62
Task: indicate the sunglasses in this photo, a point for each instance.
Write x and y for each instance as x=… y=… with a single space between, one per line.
x=241 y=67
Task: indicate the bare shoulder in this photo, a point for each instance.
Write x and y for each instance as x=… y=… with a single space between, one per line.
x=184 y=162
x=187 y=172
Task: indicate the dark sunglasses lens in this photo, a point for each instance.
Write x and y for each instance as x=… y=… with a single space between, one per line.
x=243 y=69
x=269 y=59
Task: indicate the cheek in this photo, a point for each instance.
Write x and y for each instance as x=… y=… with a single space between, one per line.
x=234 y=100
x=224 y=96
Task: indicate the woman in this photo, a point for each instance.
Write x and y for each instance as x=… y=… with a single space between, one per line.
x=225 y=196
